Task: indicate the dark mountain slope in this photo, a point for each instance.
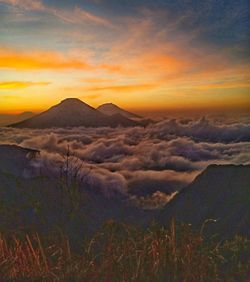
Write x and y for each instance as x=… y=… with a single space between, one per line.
x=15 y=159
x=118 y=119
x=6 y=119
x=71 y=112
x=221 y=192
x=112 y=109
x=31 y=200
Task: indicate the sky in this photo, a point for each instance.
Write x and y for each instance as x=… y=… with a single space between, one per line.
x=142 y=55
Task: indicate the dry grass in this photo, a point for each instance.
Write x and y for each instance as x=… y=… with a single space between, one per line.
x=120 y=252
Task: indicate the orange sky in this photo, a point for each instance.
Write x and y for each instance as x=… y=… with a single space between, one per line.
x=139 y=61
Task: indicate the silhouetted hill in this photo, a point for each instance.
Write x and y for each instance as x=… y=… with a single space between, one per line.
x=6 y=119
x=25 y=115
x=118 y=119
x=221 y=192
x=73 y=112
x=15 y=160
x=30 y=199
x=112 y=109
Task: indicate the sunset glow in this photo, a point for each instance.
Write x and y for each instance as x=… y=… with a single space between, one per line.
x=140 y=56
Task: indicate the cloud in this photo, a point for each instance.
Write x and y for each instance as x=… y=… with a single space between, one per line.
x=203 y=130
x=91 y=96
x=79 y=16
x=153 y=49
x=31 y=5
x=85 y=15
x=92 y=178
x=147 y=182
x=73 y=16
x=97 y=80
x=155 y=201
x=121 y=88
x=168 y=57
x=20 y=84
x=224 y=85
x=39 y=60
x=138 y=161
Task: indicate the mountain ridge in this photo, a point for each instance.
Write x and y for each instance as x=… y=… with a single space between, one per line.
x=220 y=193
x=6 y=119
x=73 y=112
x=111 y=109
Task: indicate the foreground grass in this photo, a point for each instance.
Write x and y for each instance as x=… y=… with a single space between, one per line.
x=120 y=252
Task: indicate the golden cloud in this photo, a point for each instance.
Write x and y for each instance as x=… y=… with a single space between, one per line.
x=122 y=88
x=97 y=80
x=73 y=16
x=32 y=60
x=224 y=85
x=20 y=84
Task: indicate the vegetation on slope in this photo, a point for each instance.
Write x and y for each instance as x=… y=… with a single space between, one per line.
x=120 y=252
x=50 y=231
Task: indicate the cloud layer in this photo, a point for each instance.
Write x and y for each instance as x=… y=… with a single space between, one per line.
x=139 y=162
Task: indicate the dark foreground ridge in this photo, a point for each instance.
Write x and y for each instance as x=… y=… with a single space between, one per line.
x=72 y=112
x=41 y=200
x=221 y=193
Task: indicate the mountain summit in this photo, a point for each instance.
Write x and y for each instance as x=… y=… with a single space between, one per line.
x=112 y=109
x=74 y=102
x=72 y=112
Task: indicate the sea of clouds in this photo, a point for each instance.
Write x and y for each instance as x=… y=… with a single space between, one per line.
x=142 y=162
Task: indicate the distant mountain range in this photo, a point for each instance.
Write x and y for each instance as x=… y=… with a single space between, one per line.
x=221 y=193
x=6 y=119
x=112 y=109
x=73 y=112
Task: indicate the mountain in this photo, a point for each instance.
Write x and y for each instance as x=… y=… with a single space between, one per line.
x=6 y=119
x=112 y=109
x=15 y=159
x=222 y=193
x=73 y=112
x=118 y=119
x=25 y=115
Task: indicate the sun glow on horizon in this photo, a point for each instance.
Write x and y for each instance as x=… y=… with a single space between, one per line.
x=142 y=59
